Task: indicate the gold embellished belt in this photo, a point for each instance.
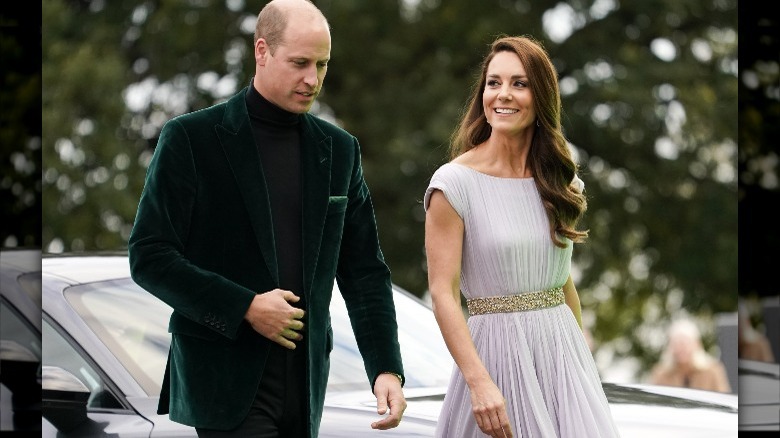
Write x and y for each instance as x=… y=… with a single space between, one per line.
x=516 y=303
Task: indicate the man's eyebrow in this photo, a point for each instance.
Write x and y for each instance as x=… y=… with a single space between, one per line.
x=306 y=58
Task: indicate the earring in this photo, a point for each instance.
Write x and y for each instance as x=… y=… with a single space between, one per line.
x=537 y=121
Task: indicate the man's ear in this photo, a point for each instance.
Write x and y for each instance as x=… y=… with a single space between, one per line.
x=261 y=51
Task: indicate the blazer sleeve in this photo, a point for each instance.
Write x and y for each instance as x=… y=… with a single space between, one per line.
x=160 y=234
x=364 y=281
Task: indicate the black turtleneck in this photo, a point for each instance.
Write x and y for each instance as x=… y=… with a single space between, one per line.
x=278 y=140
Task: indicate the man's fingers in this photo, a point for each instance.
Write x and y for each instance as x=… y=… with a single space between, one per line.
x=291 y=335
x=289 y=296
x=389 y=396
x=284 y=342
x=389 y=422
x=381 y=404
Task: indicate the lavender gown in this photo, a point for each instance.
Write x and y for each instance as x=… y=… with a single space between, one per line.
x=539 y=359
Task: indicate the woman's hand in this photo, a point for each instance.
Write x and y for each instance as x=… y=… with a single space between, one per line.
x=489 y=408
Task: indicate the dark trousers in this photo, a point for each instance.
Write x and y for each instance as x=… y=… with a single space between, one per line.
x=280 y=408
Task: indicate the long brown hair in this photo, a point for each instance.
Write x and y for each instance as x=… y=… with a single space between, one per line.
x=550 y=158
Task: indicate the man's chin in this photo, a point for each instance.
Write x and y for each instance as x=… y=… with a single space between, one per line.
x=302 y=109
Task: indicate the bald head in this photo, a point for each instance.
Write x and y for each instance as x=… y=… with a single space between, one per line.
x=274 y=17
x=292 y=50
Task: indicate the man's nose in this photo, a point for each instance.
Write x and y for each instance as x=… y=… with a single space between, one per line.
x=311 y=78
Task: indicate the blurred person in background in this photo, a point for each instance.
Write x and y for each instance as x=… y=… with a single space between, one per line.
x=500 y=225
x=753 y=344
x=685 y=363
x=251 y=208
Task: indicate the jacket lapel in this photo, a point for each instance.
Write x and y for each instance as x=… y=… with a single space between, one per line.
x=235 y=134
x=316 y=157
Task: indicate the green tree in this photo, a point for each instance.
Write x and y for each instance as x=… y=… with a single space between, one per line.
x=649 y=106
x=649 y=94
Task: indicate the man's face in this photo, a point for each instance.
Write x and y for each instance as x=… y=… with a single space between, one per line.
x=291 y=77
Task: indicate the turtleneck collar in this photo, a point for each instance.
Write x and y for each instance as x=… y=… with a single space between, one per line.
x=260 y=108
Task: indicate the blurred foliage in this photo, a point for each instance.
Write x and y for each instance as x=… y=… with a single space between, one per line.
x=20 y=128
x=649 y=99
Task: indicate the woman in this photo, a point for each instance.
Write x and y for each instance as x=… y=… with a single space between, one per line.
x=500 y=225
x=684 y=362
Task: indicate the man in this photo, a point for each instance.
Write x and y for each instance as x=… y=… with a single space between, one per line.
x=251 y=208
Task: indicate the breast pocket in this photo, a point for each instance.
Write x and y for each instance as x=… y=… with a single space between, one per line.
x=337 y=205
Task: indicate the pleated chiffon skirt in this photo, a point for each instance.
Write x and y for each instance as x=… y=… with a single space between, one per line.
x=541 y=362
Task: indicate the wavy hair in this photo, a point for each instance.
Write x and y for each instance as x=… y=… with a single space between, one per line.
x=550 y=158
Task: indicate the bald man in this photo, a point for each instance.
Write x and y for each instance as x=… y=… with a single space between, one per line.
x=250 y=210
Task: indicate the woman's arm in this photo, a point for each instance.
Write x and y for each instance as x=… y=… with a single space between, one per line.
x=573 y=300
x=444 y=244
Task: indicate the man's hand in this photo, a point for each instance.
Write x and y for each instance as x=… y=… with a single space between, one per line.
x=271 y=315
x=387 y=390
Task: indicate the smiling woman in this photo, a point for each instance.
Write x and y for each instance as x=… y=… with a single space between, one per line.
x=500 y=227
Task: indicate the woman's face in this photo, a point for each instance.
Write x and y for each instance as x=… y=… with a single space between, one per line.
x=683 y=348
x=507 y=99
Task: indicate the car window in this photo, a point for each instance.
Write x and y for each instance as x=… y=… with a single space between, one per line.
x=60 y=353
x=426 y=360
x=131 y=322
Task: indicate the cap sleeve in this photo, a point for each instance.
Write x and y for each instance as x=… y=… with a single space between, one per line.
x=445 y=179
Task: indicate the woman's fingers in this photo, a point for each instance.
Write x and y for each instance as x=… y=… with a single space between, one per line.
x=493 y=421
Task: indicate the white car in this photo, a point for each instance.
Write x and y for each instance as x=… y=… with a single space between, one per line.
x=105 y=343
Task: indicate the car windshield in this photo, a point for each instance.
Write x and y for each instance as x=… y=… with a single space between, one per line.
x=133 y=324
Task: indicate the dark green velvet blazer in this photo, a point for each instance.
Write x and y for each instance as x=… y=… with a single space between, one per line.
x=203 y=243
